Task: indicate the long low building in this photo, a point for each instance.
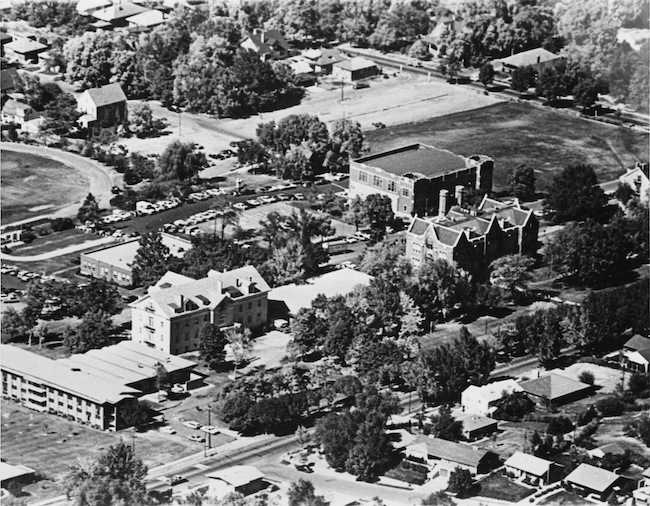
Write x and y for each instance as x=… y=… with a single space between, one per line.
x=91 y=388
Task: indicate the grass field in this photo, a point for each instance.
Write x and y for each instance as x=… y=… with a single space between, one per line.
x=513 y=134
x=564 y=498
x=497 y=486
x=34 y=185
x=52 y=242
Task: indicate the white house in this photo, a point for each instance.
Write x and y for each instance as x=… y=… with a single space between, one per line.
x=482 y=400
x=238 y=479
x=173 y=312
x=104 y=107
x=637 y=179
x=535 y=470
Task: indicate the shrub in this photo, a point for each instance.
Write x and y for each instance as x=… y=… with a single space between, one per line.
x=559 y=425
x=27 y=236
x=610 y=406
x=587 y=377
x=59 y=224
x=587 y=416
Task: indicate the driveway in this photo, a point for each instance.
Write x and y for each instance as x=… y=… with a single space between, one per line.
x=100 y=178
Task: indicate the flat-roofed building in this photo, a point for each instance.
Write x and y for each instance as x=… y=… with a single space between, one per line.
x=115 y=262
x=49 y=386
x=473 y=239
x=24 y=50
x=10 y=474
x=243 y=480
x=173 y=312
x=413 y=177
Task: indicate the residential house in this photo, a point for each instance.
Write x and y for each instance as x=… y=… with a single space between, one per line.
x=355 y=69
x=114 y=263
x=477 y=426
x=15 y=474
x=103 y=107
x=637 y=179
x=642 y=493
x=10 y=81
x=87 y=7
x=608 y=449
x=555 y=389
x=638 y=360
x=173 y=312
x=17 y=113
x=412 y=177
x=482 y=400
x=588 y=480
x=243 y=480
x=322 y=61
x=472 y=239
x=24 y=50
x=49 y=386
x=117 y=14
x=268 y=44
x=538 y=59
x=5 y=39
x=534 y=470
x=443 y=456
x=446 y=21
x=146 y=21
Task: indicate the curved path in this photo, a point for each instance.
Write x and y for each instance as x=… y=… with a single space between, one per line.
x=58 y=252
x=100 y=178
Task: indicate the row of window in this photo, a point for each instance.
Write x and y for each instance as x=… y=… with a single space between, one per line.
x=381 y=183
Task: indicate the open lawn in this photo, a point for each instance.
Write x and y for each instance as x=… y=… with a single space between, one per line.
x=513 y=134
x=564 y=498
x=500 y=487
x=34 y=185
x=50 y=444
x=52 y=242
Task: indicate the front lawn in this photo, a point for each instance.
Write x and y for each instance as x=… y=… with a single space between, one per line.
x=497 y=486
x=563 y=498
x=53 y=242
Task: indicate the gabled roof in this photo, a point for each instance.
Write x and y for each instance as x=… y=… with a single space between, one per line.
x=118 y=11
x=237 y=476
x=356 y=63
x=106 y=95
x=5 y=37
x=148 y=18
x=529 y=464
x=475 y=422
x=611 y=448
x=85 y=6
x=10 y=79
x=9 y=472
x=639 y=356
x=531 y=57
x=553 y=386
x=265 y=40
x=448 y=450
x=24 y=45
x=419 y=226
x=593 y=478
x=447 y=235
x=12 y=107
x=494 y=391
x=637 y=342
x=329 y=57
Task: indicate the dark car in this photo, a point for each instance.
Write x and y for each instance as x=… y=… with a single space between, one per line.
x=359 y=86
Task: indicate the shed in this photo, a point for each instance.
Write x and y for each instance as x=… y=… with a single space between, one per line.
x=587 y=479
x=245 y=480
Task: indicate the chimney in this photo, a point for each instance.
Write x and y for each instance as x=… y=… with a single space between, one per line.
x=539 y=59
x=220 y=287
x=459 y=191
x=442 y=204
x=181 y=302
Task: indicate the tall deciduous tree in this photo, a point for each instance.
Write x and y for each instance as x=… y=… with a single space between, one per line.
x=302 y=493
x=89 y=210
x=13 y=326
x=61 y=116
x=486 y=74
x=445 y=426
x=93 y=332
x=523 y=78
x=574 y=194
x=212 y=343
x=521 y=181
x=180 y=161
x=512 y=273
x=151 y=260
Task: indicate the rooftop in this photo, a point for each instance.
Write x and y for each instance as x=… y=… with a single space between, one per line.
x=338 y=282
x=9 y=472
x=494 y=391
x=237 y=476
x=119 y=255
x=529 y=463
x=637 y=342
x=85 y=6
x=10 y=79
x=554 y=386
x=531 y=57
x=53 y=372
x=475 y=422
x=593 y=478
x=106 y=95
x=119 y=11
x=453 y=452
x=356 y=63
x=419 y=159
x=25 y=45
x=148 y=18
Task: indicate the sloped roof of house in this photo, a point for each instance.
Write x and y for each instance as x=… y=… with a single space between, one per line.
x=611 y=448
x=531 y=57
x=591 y=477
x=329 y=57
x=356 y=63
x=419 y=226
x=476 y=422
x=528 y=463
x=85 y=6
x=118 y=11
x=9 y=472
x=12 y=107
x=494 y=391
x=637 y=342
x=24 y=45
x=553 y=386
x=237 y=476
x=107 y=95
x=448 y=450
x=148 y=18
x=639 y=356
x=5 y=37
x=264 y=40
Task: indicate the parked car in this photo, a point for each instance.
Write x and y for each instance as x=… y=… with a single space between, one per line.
x=210 y=429
x=268 y=199
x=298 y=196
x=282 y=196
x=360 y=85
x=168 y=430
x=197 y=439
x=241 y=206
x=192 y=424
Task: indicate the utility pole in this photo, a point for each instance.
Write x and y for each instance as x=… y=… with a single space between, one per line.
x=133 y=443
x=209 y=435
x=179 y=121
x=342 y=86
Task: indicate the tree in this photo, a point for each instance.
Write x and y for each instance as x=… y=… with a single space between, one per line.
x=624 y=192
x=305 y=226
x=610 y=406
x=141 y=120
x=180 y=161
x=378 y=212
x=574 y=194
x=308 y=329
x=419 y=50
x=523 y=78
x=99 y=295
x=437 y=499
x=460 y=482
x=586 y=92
x=286 y=264
x=240 y=343
x=587 y=377
x=445 y=426
x=512 y=406
x=486 y=74
x=212 y=343
x=13 y=326
x=89 y=58
x=302 y=493
x=151 y=261
x=512 y=273
x=386 y=259
x=89 y=210
x=347 y=142
x=163 y=378
x=400 y=25
x=521 y=181
x=93 y=332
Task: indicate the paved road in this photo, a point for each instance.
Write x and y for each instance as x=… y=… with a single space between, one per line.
x=100 y=178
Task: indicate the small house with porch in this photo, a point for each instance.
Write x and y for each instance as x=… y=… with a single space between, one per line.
x=443 y=456
x=531 y=469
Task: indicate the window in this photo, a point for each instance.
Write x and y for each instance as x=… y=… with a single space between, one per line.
x=406 y=192
x=259 y=303
x=205 y=318
x=377 y=181
x=391 y=186
x=363 y=176
x=250 y=305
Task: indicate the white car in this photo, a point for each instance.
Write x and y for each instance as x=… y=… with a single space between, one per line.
x=267 y=199
x=253 y=202
x=290 y=186
x=210 y=214
x=241 y=206
x=192 y=424
x=210 y=429
x=351 y=239
x=298 y=196
x=168 y=430
x=214 y=191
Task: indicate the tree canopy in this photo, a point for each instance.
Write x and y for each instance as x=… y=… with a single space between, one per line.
x=574 y=194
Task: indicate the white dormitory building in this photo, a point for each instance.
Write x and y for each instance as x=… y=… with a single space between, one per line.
x=170 y=316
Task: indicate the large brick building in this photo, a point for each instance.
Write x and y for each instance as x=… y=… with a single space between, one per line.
x=413 y=176
x=170 y=316
x=473 y=239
